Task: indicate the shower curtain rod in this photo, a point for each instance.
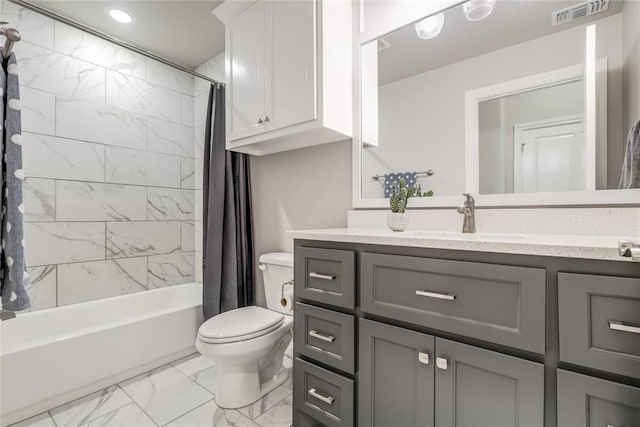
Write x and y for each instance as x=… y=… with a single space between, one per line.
x=108 y=38
x=12 y=36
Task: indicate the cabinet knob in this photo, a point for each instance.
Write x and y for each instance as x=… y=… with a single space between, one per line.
x=266 y=119
x=442 y=363
x=423 y=358
x=260 y=120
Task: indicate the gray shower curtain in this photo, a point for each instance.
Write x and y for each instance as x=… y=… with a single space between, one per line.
x=13 y=277
x=227 y=257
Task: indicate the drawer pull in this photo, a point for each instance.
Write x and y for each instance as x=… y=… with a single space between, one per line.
x=442 y=363
x=423 y=358
x=321 y=276
x=327 y=338
x=437 y=295
x=619 y=326
x=326 y=399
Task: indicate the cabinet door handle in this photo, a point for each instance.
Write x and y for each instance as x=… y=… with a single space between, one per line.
x=322 y=276
x=326 y=399
x=266 y=119
x=437 y=295
x=620 y=326
x=442 y=363
x=423 y=358
x=610 y=425
x=320 y=336
x=260 y=120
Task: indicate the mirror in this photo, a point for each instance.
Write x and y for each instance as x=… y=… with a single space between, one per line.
x=531 y=98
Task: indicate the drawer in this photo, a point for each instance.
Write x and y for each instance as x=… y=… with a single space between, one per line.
x=324 y=396
x=326 y=276
x=588 y=401
x=600 y=322
x=495 y=303
x=325 y=336
x=300 y=419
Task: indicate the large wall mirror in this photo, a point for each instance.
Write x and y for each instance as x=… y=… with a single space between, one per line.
x=521 y=102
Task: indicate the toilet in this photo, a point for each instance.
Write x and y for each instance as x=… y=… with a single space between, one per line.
x=248 y=344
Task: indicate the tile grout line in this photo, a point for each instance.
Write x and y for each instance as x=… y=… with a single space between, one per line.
x=134 y=401
x=189 y=411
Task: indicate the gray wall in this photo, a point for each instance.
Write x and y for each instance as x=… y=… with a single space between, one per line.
x=300 y=189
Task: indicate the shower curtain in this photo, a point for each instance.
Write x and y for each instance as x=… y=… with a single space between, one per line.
x=227 y=258
x=13 y=277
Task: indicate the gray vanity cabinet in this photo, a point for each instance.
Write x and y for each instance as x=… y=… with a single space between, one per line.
x=497 y=303
x=481 y=388
x=412 y=379
x=419 y=337
x=587 y=401
x=600 y=322
x=396 y=380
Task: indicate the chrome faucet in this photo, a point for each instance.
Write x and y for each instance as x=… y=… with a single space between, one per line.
x=468 y=209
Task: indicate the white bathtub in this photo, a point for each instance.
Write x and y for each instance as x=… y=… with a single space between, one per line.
x=52 y=356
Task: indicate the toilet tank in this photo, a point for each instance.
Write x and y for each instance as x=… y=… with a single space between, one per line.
x=277 y=269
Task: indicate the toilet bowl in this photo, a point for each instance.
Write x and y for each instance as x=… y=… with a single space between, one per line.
x=248 y=344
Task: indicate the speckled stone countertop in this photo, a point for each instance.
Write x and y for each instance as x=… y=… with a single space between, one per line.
x=566 y=246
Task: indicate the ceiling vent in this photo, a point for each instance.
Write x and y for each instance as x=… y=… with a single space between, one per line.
x=383 y=44
x=578 y=11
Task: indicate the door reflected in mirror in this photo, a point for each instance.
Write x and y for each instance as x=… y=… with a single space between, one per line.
x=533 y=141
x=511 y=93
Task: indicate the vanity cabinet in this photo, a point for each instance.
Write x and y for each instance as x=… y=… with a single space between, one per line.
x=288 y=77
x=433 y=337
x=588 y=401
x=412 y=379
x=497 y=303
x=600 y=322
x=396 y=381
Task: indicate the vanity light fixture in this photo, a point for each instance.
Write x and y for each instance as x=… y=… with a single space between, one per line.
x=120 y=16
x=430 y=27
x=477 y=10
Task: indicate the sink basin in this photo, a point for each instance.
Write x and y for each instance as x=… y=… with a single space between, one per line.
x=467 y=236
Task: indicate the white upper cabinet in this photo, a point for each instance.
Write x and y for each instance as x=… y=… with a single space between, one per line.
x=246 y=72
x=289 y=83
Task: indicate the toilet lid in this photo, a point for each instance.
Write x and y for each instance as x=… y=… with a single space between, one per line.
x=240 y=324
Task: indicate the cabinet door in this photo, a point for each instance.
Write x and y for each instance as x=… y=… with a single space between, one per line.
x=588 y=401
x=291 y=63
x=481 y=388
x=395 y=383
x=246 y=67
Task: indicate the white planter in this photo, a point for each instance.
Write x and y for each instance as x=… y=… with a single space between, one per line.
x=398 y=221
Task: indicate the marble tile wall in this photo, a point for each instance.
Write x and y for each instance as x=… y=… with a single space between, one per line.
x=109 y=156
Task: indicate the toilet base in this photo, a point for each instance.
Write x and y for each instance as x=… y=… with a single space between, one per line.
x=240 y=388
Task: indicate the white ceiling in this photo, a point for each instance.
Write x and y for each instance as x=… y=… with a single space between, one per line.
x=182 y=31
x=512 y=22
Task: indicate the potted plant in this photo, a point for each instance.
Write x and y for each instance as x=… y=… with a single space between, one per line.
x=398 y=219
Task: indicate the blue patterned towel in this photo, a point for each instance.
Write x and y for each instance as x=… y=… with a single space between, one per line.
x=390 y=180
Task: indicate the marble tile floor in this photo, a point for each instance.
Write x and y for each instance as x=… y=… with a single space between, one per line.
x=179 y=394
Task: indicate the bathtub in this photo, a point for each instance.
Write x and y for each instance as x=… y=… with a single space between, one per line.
x=52 y=356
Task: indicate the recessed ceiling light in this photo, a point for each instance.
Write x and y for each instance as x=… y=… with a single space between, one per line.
x=477 y=10
x=430 y=27
x=120 y=16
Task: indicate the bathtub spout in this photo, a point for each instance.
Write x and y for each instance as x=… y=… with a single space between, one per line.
x=7 y=314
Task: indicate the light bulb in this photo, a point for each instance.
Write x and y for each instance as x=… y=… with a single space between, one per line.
x=430 y=27
x=120 y=15
x=477 y=10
